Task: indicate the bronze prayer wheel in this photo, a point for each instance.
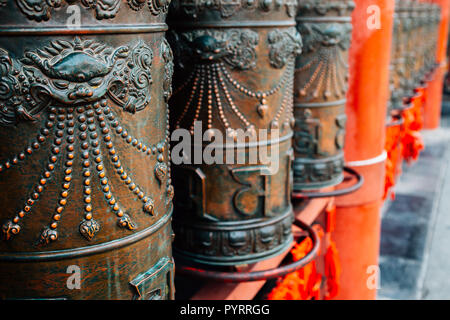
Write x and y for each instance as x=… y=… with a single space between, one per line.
x=234 y=64
x=320 y=87
x=429 y=29
x=422 y=13
x=433 y=36
x=84 y=165
x=397 y=66
x=416 y=45
x=404 y=15
x=429 y=39
x=412 y=48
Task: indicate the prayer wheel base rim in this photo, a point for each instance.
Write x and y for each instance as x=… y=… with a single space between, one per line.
x=281 y=221
x=233 y=260
x=318 y=185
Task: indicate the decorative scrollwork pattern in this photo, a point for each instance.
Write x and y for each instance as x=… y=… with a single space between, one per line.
x=167 y=55
x=323 y=7
x=70 y=82
x=213 y=51
x=41 y=10
x=324 y=45
x=283 y=46
x=158 y=6
x=234 y=46
x=320 y=88
x=72 y=73
x=227 y=8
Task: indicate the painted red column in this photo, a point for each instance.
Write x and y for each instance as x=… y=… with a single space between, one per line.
x=432 y=114
x=357 y=231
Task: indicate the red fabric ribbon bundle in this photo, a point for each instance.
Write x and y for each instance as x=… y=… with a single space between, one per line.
x=303 y=284
x=413 y=122
x=306 y=283
x=393 y=149
x=332 y=271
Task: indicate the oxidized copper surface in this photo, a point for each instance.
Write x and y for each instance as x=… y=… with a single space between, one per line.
x=398 y=52
x=410 y=23
x=84 y=164
x=234 y=64
x=416 y=31
x=432 y=36
x=319 y=93
x=419 y=44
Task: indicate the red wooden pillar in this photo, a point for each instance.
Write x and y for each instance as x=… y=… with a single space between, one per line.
x=432 y=114
x=432 y=110
x=358 y=215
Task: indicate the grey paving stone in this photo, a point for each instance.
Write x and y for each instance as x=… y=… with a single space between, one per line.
x=436 y=282
x=409 y=208
x=420 y=178
x=426 y=167
x=415 y=234
x=403 y=240
x=433 y=153
x=445 y=107
x=398 y=278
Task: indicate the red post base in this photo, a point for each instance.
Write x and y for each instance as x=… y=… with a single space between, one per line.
x=357 y=237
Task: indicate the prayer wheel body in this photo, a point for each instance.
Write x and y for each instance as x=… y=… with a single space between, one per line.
x=84 y=171
x=234 y=64
x=397 y=66
x=411 y=48
x=319 y=93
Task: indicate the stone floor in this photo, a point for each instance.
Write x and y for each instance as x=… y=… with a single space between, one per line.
x=415 y=236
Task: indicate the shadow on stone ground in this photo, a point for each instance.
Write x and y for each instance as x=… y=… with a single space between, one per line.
x=415 y=232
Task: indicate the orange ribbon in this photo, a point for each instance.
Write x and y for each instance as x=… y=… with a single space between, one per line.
x=393 y=149
x=412 y=142
x=306 y=283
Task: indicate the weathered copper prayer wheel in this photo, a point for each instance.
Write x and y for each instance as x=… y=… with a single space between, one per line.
x=397 y=65
x=413 y=47
x=401 y=41
x=234 y=64
x=319 y=93
x=434 y=19
x=84 y=166
x=421 y=14
x=409 y=26
x=428 y=35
